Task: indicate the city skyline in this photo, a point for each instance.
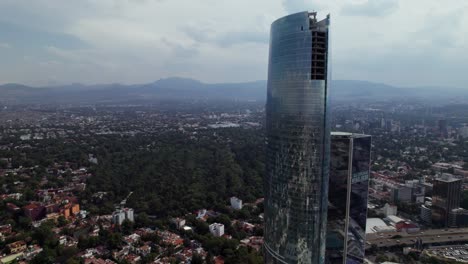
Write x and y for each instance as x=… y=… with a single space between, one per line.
x=144 y=131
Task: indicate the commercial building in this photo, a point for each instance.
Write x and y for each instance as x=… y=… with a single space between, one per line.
x=443 y=128
x=418 y=190
x=407 y=226
x=298 y=140
x=426 y=214
x=445 y=197
x=216 y=229
x=458 y=218
x=464 y=132
x=389 y=209
x=401 y=193
x=348 y=191
x=377 y=225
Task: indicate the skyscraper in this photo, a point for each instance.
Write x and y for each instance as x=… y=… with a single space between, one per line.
x=348 y=191
x=443 y=130
x=446 y=192
x=298 y=140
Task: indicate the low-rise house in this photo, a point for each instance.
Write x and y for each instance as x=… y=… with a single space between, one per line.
x=5 y=230
x=17 y=247
x=32 y=251
x=98 y=261
x=132 y=239
x=12 y=208
x=144 y=250
x=132 y=258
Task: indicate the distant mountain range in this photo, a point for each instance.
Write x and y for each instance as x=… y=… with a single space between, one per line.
x=189 y=89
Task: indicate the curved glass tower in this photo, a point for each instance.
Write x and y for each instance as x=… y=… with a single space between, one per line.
x=298 y=140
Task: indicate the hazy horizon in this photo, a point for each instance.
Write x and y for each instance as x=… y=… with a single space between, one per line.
x=395 y=42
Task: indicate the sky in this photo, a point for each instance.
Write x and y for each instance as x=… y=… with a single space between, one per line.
x=397 y=42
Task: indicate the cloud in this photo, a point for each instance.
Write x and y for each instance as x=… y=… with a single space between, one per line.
x=134 y=41
x=226 y=39
x=371 y=8
x=4 y=45
x=441 y=29
x=295 y=6
x=29 y=37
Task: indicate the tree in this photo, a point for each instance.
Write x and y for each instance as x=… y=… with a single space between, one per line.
x=114 y=241
x=381 y=258
x=201 y=227
x=142 y=220
x=209 y=259
x=3 y=164
x=196 y=259
x=127 y=227
x=44 y=235
x=24 y=222
x=47 y=256
x=62 y=221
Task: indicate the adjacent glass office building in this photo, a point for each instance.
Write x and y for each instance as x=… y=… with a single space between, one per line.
x=348 y=189
x=298 y=140
x=446 y=195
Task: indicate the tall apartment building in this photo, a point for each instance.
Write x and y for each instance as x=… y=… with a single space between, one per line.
x=120 y=215
x=216 y=229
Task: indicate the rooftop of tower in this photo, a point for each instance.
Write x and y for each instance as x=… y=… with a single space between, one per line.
x=311 y=17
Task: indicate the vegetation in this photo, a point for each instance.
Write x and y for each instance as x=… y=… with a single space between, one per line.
x=174 y=174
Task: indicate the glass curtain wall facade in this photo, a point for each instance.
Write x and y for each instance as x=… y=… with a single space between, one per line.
x=446 y=195
x=298 y=140
x=348 y=188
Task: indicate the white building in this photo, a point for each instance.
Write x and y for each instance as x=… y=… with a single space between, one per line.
x=377 y=225
x=464 y=132
x=426 y=214
x=118 y=217
x=121 y=215
x=178 y=222
x=389 y=209
x=217 y=229
x=236 y=203
x=201 y=213
x=129 y=214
